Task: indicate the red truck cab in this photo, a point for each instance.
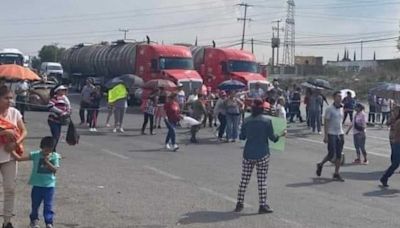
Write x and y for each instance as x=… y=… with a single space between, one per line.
x=172 y=62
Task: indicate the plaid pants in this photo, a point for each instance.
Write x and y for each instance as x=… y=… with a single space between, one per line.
x=262 y=171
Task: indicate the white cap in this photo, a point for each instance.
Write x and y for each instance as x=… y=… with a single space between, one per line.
x=179 y=84
x=61 y=87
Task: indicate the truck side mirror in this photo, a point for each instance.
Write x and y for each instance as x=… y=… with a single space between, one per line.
x=203 y=69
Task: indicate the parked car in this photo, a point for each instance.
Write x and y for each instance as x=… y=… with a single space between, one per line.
x=39 y=95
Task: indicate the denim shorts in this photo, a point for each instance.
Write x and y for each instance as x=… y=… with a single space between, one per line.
x=335 y=146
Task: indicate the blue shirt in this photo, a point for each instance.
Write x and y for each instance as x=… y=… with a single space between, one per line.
x=41 y=176
x=257 y=130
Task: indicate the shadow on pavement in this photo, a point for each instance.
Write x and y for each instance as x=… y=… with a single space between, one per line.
x=315 y=181
x=362 y=176
x=150 y=150
x=207 y=217
x=388 y=193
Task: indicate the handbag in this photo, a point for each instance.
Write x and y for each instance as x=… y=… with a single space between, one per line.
x=72 y=135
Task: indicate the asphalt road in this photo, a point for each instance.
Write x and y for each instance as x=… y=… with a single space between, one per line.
x=129 y=180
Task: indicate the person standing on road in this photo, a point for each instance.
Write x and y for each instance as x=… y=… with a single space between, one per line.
x=295 y=106
x=220 y=113
x=359 y=127
x=394 y=136
x=43 y=181
x=8 y=165
x=173 y=116
x=21 y=91
x=256 y=130
x=233 y=107
x=349 y=103
x=95 y=98
x=162 y=99
x=149 y=110
x=210 y=104
x=60 y=112
x=334 y=135
x=199 y=112
x=315 y=103
x=280 y=108
x=372 y=108
x=181 y=96
x=120 y=106
x=85 y=100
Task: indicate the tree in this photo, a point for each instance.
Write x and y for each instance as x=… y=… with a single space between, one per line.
x=50 y=53
x=36 y=62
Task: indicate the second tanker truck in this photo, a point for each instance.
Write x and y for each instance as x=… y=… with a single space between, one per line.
x=145 y=59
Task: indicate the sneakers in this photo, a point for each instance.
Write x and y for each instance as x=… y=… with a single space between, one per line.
x=115 y=130
x=239 y=207
x=94 y=129
x=34 y=224
x=108 y=125
x=9 y=225
x=337 y=177
x=319 y=170
x=357 y=161
x=366 y=162
x=384 y=182
x=175 y=147
x=168 y=146
x=121 y=130
x=265 y=210
x=49 y=225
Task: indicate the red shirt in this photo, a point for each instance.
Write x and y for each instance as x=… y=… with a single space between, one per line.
x=173 y=111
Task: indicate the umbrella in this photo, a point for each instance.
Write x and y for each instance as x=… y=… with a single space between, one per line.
x=320 y=83
x=129 y=80
x=387 y=90
x=344 y=92
x=16 y=72
x=308 y=85
x=231 y=85
x=158 y=83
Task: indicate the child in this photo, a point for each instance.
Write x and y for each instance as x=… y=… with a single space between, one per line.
x=94 y=107
x=43 y=180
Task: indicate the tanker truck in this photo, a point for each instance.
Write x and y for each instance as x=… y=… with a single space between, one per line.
x=216 y=65
x=148 y=60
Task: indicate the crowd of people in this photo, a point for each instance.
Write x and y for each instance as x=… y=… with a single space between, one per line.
x=222 y=109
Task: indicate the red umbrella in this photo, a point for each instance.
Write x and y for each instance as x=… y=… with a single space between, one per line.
x=158 y=83
x=16 y=72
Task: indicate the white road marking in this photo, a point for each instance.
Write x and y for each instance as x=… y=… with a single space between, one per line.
x=163 y=173
x=374 y=137
x=345 y=147
x=115 y=154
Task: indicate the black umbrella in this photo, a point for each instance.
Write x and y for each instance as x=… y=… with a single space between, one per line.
x=231 y=85
x=129 y=80
x=320 y=83
x=387 y=90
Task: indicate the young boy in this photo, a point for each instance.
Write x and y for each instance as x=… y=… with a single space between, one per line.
x=43 y=180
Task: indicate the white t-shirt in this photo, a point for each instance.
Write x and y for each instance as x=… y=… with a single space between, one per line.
x=281 y=111
x=335 y=117
x=13 y=116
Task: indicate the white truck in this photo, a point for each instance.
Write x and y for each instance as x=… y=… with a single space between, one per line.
x=52 y=70
x=12 y=56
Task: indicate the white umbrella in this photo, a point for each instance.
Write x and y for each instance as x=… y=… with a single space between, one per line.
x=344 y=92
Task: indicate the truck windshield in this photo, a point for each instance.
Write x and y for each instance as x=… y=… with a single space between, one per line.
x=191 y=86
x=54 y=68
x=176 y=63
x=243 y=66
x=11 y=58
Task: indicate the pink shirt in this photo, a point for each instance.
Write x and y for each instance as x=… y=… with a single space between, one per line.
x=360 y=119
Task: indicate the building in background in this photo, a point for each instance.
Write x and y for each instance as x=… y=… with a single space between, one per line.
x=309 y=65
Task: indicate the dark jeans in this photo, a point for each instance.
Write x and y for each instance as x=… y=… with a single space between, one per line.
x=295 y=111
x=222 y=126
x=348 y=113
x=171 y=132
x=45 y=195
x=84 y=107
x=359 y=143
x=395 y=159
x=92 y=117
x=21 y=104
x=315 y=120
x=371 y=114
x=148 y=117
x=210 y=119
x=335 y=146
x=55 y=129
x=385 y=116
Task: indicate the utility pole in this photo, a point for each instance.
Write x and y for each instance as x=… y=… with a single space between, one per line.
x=289 y=41
x=252 y=45
x=277 y=28
x=55 y=51
x=125 y=31
x=362 y=49
x=244 y=19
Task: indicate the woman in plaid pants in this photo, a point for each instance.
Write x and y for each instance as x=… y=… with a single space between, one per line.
x=256 y=129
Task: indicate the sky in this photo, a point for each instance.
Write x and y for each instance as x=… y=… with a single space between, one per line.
x=323 y=27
